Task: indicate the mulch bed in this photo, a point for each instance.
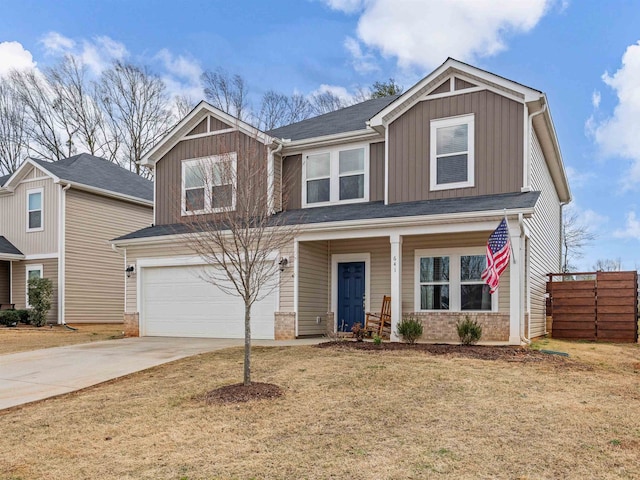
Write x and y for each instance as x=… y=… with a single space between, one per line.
x=481 y=352
x=238 y=393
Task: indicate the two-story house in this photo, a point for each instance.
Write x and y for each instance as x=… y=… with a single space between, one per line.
x=396 y=196
x=56 y=220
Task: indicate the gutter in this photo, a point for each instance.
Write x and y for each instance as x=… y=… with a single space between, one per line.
x=521 y=256
x=527 y=157
x=62 y=219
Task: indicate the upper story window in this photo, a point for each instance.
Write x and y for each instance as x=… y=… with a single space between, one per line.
x=208 y=184
x=338 y=175
x=452 y=153
x=34 y=210
x=450 y=280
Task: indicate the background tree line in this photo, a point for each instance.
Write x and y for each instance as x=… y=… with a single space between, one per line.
x=62 y=110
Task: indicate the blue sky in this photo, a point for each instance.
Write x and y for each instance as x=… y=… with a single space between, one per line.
x=585 y=55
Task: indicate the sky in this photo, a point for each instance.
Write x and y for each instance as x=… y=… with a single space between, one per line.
x=584 y=54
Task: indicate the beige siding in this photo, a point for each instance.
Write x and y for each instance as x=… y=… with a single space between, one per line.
x=287 y=280
x=200 y=128
x=544 y=227
x=444 y=87
x=13 y=217
x=277 y=183
x=313 y=282
x=169 y=168
x=292 y=182
x=376 y=171
x=419 y=242
x=94 y=273
x=498 y=146
x=216 y=124
x=5 y=282
x=462 y=84
x=19 y=283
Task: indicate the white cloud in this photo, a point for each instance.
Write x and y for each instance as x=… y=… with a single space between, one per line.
x=14 y=56
x=631 y=228
x=338 y=91
x=595 y=99
x=56 y=43
x=423 y=34
x=618 y=135
x=182 y=75
x=578 y=178
x=362 y=62
x=590 y=219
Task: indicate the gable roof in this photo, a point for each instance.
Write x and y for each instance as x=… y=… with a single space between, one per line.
x=8 y=250
x=3 y=179
x=347 y=119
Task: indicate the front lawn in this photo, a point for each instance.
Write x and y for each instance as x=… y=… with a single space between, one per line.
x=344 y=414
x=26 y=337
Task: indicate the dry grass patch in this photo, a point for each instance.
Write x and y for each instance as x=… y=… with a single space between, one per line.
x=344 y=414
x=26 y=337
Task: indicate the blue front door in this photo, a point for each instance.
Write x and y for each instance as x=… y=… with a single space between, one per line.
x=350 y=295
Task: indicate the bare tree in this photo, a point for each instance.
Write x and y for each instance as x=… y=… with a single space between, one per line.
x=274 y=110
x=227 y=92
x=137 y=110
x=608 y=265
x=575 y=237
x=13 y=139
x=326 y=102
x=182 y=106
x=299 y=108
x=242 y=241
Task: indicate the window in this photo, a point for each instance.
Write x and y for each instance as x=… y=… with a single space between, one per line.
x=208 y=184
x=451 y=163
x=34 y=210
x=33 y=271
x=450 y=280
x=335 y=176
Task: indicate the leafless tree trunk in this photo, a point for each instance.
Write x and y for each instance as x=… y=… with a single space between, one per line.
x=326 y=102
x=182 y=106
x=230 y=226
x=608 y=265
x=227 y=92
x=137 y=110
x=575 y=237
x=13 y=141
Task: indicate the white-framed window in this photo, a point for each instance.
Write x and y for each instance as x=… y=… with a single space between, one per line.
x=209 y=184
x=32 y=271
x=35 y=200
x=452 y=152
x=450 y=280
x=335 y=175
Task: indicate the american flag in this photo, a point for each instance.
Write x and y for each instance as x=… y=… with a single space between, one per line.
x=498 y=253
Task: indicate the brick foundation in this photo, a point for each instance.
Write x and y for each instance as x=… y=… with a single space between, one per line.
x=285 y=325
x=132 y=324
x=441 y=326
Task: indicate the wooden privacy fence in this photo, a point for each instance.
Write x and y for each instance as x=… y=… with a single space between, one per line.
x=598 y=306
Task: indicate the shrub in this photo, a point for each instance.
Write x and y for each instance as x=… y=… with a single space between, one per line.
x=40 y=293
x=24 y=316
x=377 y=339
x=358 y=331
x=469 y=331
x=410 y=328
x=8 y=317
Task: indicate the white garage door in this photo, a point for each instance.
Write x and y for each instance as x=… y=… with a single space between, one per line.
x=176 y=302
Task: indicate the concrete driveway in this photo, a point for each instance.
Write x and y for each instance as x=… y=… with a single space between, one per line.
x=29 y=376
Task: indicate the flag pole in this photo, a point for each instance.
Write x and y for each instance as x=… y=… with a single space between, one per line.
x=513 y=257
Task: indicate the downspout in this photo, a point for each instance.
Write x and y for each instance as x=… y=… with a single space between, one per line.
x=527 y=159
x=522 y=272
x=117 y=250
x=62 y=277
x=271 y=182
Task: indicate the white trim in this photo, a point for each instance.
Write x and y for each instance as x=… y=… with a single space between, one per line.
x=10 y=282
x=337 y=258
x=334 y=174
x=33 y=191
x=208 y=185
x=9 y=257
x=155 y=195
x=435 y=124
x=454 y=282
x=296 y=147
x=41 y=256
x=21 y=172
x=62 y=202
x=386 y=166
x=27 y=269
x=296 y=270
x=208 y=134
x=28 y=180
x=270 y=180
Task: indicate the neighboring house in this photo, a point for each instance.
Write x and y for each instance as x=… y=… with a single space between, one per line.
x=396 y=196
x=56 y=220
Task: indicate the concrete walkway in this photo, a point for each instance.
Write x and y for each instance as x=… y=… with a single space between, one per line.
x=29 y=376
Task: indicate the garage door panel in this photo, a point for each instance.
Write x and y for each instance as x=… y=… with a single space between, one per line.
x=176 y=301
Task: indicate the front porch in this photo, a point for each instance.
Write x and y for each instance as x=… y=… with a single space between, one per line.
x=431 y=276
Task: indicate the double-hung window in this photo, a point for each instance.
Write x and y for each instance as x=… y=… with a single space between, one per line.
x=34 y=210
x=452 y=153
x=450 y=280
x=338 y=175
x=32 y=271
x=208 y=184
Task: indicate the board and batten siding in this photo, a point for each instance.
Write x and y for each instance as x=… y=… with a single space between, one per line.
x=544 y=243
x=313 y=287
x=443 y=241
x=94 y=273
x=376 y=171
x=498 y=152
x=168 y=175
x=5 y=282
x=19 y=283
x=13 y=216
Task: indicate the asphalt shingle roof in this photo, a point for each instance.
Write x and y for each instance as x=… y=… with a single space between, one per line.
x=97 y=172
x=372 y=210
x=8 y=248
x=4 y=179
x=344 y=120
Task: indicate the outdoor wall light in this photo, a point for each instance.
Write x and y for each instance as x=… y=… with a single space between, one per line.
x=284 y=261
x=130 y=269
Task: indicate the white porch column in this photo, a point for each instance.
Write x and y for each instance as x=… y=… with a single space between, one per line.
x=515 y=289
x=396 y=284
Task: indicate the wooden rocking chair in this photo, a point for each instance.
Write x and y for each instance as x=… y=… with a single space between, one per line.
x=380 y=323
